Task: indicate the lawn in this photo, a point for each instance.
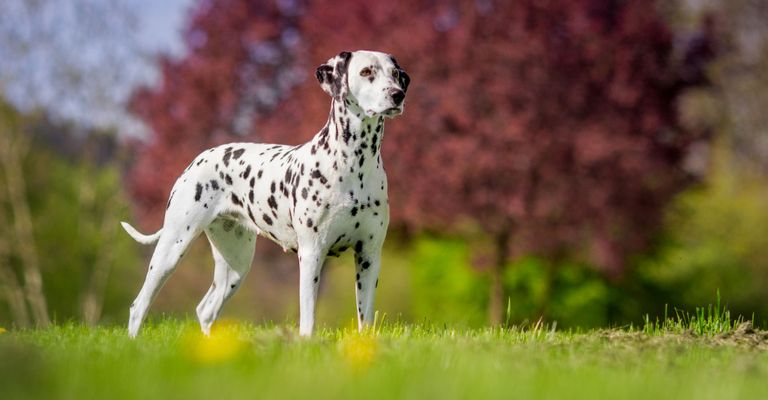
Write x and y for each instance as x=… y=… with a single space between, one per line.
x=171 y=360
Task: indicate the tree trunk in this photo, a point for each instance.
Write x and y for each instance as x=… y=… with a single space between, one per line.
x=496 y=301
x=9 y=283
x=93 y=297
x=11 y=155
x=11 y=288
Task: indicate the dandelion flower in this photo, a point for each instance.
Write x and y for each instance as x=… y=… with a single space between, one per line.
x=358 y=350
x=222 y=345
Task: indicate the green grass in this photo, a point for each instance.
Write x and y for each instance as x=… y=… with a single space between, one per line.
x=711 y=320
x=171 y=360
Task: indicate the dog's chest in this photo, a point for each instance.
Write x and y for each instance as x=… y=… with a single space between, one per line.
x=351 y=206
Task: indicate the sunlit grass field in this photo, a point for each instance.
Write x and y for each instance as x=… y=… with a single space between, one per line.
x=695 y=358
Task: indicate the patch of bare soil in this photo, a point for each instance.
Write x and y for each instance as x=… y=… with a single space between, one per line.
x=744 y=336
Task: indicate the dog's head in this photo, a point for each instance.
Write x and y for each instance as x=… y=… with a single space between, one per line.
x=369 y=79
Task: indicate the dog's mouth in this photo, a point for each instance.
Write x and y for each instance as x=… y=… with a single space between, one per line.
x=392 y=112
x=389 y=112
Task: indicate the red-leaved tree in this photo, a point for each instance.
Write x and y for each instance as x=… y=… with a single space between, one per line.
x=239 y=64
x=549 y=126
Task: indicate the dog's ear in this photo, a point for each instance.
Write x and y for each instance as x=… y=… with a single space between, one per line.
x=333 y=75
x=403 y=78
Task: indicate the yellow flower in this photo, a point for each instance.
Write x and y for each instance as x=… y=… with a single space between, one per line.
x=358 y=350
x=222 y=345
x=2 y=330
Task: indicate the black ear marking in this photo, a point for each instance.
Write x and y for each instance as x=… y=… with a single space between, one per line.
x=403 y=78
x=333 y=75
x=324 y=73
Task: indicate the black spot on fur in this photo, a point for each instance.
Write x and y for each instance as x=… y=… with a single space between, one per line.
x=316 y=174
x=214 y=184
x=309 y=222
x=267 y=219
x=359 y=246
x=236 y=201
x=247 y=172
x=238 y=153
x=272 y=202
x=228 y=179
x=354 y=211
x=365 y=265
x=198 y=192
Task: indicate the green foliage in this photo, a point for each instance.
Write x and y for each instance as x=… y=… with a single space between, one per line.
x=717 y=242
x=71 y=202
x=396 y=361
x=447 y=288
x=570 y=294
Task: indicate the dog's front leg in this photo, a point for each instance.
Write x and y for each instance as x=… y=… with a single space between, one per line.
x=368 y=264
x=310 y=266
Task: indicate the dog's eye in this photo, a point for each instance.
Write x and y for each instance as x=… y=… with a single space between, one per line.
x=365 y=72
x=395 y=73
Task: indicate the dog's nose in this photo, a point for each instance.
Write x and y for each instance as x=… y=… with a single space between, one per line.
x=397 y=96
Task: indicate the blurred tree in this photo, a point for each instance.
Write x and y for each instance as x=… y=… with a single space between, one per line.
x=714 y=232
x=59 y=194
x=75 y=59
x=239 y=65
x=10 y=286
x=14 y=147
x=550 y=127
x=741 y=77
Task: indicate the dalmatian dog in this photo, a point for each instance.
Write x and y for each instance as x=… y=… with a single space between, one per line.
x=317 y=199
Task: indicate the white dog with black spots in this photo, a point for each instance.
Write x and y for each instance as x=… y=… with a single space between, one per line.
x=317 y=199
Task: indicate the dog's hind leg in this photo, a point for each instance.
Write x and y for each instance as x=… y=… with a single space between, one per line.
x=232 y=247
x=172 y=244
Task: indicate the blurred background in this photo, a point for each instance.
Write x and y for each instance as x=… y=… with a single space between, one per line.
x=584 y=162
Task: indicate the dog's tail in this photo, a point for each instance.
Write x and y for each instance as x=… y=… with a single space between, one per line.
x=140 y=237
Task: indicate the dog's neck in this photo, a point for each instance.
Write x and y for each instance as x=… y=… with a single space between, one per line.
x=350 y=137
